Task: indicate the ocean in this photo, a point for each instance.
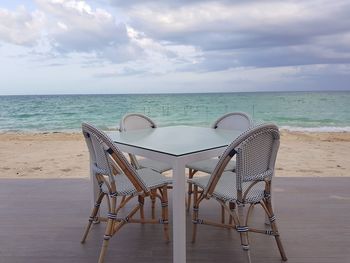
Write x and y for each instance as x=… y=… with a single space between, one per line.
x=300 y=111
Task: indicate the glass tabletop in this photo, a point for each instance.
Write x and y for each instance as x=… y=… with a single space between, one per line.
x=176 y=140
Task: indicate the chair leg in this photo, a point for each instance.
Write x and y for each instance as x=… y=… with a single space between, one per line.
x=92 y=216
x=243 y=231
x=107 y=236
x=123 y=199
x=141 y=203
x=165 y=212
x=274 y=228
x=190 y=189
x=245 y=246
x=222 y=214
x=195 y=213
x=232 y=207
x=112 y=204
x=153 y=199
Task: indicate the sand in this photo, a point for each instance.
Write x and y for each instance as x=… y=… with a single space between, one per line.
x=64 y=155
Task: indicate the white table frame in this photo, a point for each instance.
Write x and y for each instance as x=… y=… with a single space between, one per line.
x=178 y=163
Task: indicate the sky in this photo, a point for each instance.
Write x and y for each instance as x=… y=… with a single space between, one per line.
x=168 y=46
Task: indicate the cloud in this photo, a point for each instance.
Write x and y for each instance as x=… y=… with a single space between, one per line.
x=68 y=27
x=162 y=56
x=152 y=57
x=21 y=27
x=215 y=18
x=76 y=26
x=258 y=33
x=248 y=43
x=189 y=35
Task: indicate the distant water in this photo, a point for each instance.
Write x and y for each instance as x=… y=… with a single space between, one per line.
x=313 y=111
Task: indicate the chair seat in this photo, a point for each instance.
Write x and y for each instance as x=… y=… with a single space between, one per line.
x=209 y=165
x=157 y=166
x=151 y=178
x=226 y=188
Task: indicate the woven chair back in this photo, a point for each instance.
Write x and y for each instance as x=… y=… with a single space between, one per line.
x=135 y=121
x=108 y=160
x=256 y=152
x=234 y=121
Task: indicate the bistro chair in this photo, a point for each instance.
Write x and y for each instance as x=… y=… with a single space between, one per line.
x=134 y=121
x=119 y=183
x=231 y=121
x=250 y=184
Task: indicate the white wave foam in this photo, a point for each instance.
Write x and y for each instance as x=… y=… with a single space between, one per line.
x=317 y=129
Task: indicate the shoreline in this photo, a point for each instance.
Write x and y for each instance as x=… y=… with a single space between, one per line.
x=65 y=155
x=283 y=128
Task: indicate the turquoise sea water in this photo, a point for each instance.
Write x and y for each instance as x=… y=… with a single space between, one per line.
x=318 y=111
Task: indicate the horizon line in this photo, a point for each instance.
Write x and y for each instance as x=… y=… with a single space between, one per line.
x=172 y=93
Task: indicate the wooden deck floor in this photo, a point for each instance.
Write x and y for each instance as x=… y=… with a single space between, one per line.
x=43 y=220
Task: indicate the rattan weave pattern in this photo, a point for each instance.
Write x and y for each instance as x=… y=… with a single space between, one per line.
x=239 y=116
x=132 y=117
x=254 y=156
x=151 y=179
x=134 y=121
x=226 y=188
x=253 y=149
x=101 y=145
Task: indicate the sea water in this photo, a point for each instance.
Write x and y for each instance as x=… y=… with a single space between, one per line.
x=310 y=111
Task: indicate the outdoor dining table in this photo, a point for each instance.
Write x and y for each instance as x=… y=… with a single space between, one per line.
x=178 y=146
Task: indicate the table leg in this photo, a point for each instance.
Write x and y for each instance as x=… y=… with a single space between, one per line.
x=179 y=213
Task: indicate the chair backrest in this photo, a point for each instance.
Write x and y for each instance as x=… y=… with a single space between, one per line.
x=234 y=121
x=108 y=160
x=135 y=121
x=256 y=151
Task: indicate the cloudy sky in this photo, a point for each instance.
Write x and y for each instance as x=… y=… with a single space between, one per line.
x=140 y=46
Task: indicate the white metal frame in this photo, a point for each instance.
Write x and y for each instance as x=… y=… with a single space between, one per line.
x=178 y=164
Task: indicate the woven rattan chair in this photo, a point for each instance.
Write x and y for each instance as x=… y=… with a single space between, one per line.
x=230 y=121
x=119 y=183
x=134 y=121
x=255 y=151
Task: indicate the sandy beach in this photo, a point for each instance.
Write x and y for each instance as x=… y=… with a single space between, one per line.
x=64 y=155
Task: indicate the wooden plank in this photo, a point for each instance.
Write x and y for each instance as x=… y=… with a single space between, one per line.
x=43 y=220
